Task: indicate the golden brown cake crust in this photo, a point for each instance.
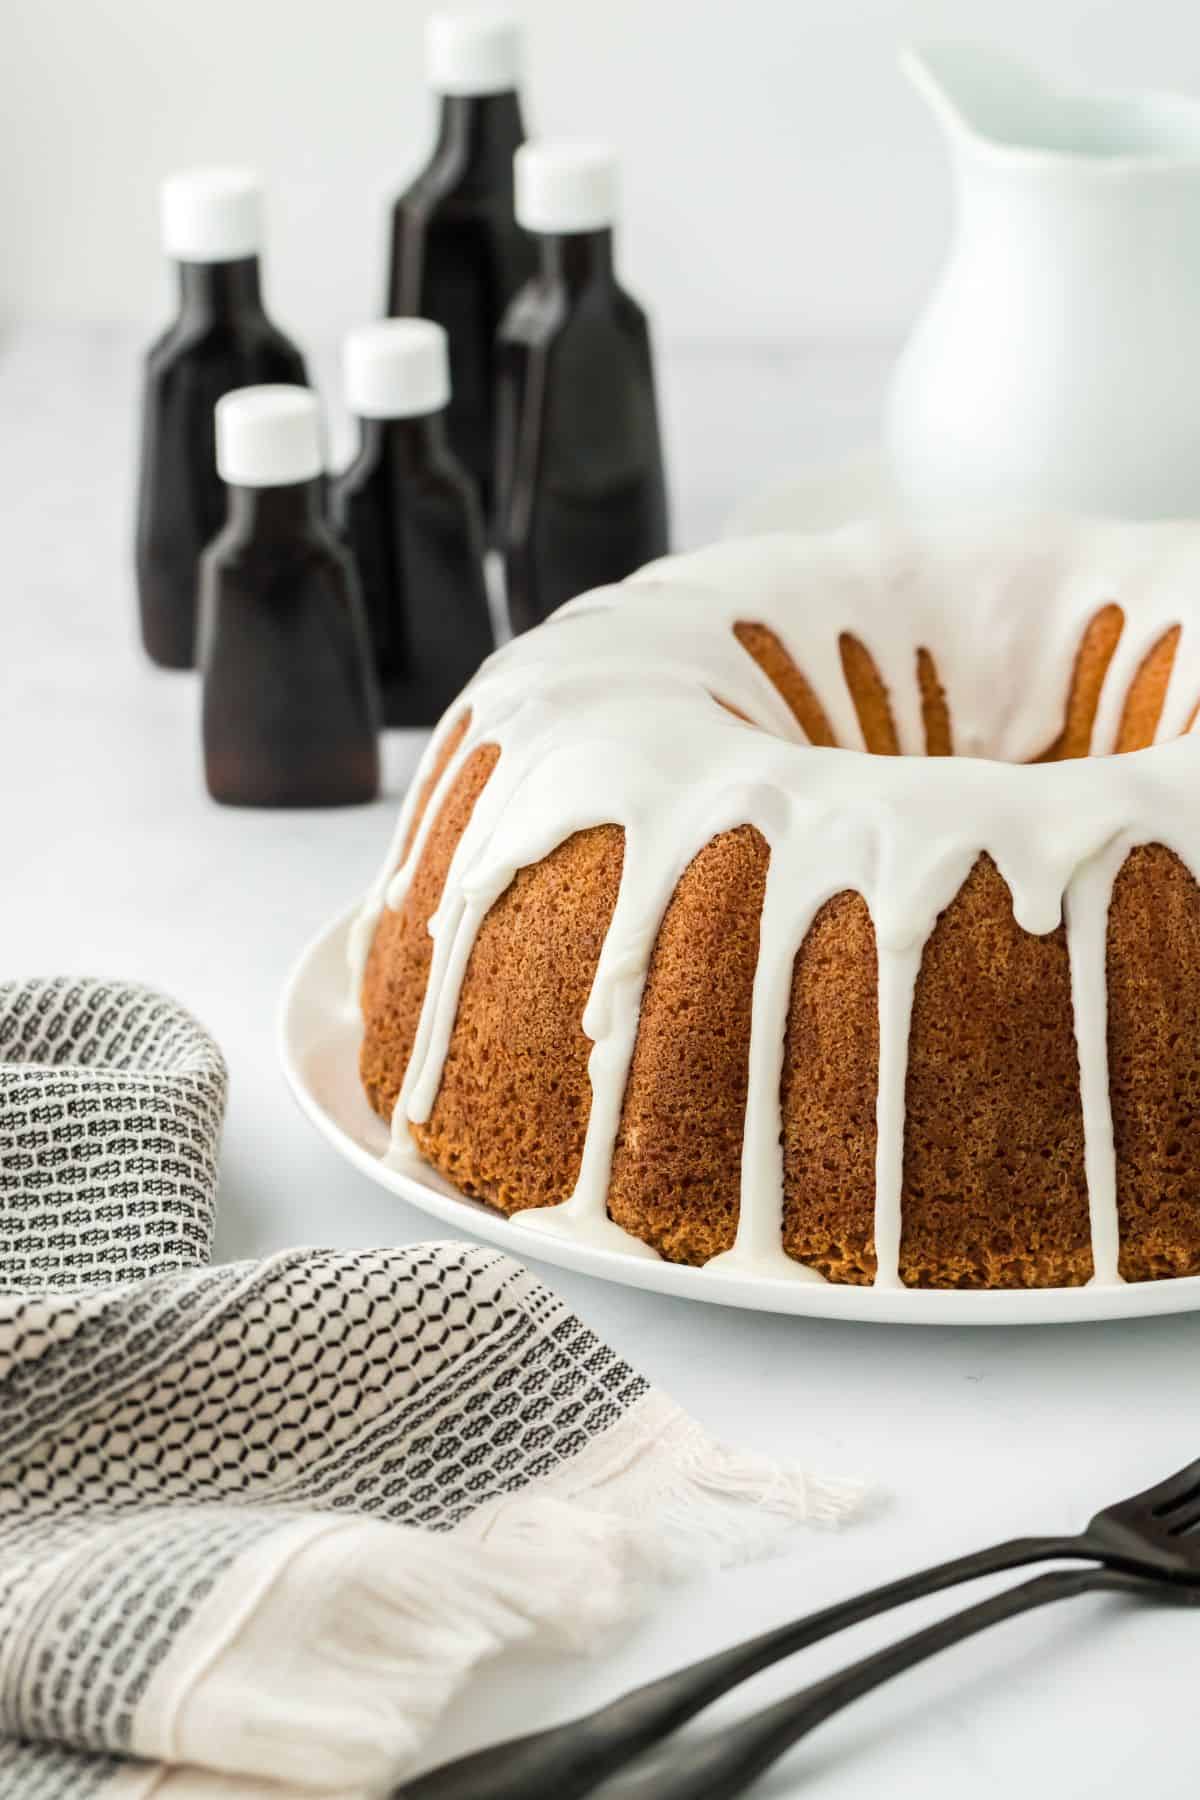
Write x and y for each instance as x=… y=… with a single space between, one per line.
x=1154 y=1062
x=1147 y=691
x=1096 y=651
x=828 y=1092
x=781 y=669
x=995 y=1193
x=677 y=1162
x=509 y=1121
x=935 y=714
x=869 y=693
x=398 y=965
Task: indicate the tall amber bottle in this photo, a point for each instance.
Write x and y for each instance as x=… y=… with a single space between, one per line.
x=581 y=493
x=457 y=253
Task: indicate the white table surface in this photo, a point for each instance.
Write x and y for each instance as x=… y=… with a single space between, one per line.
x=116 y=863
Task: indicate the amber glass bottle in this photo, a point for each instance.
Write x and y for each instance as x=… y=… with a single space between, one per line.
x=408 y=511
x=220 y=339
x=457 y=253
x=581 y=494
x=290 y=713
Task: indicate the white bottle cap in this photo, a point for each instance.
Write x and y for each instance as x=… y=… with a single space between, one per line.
x=472 y=53
x=211 y=215
x=268 y=436
x=396 y=369
x=562 y=186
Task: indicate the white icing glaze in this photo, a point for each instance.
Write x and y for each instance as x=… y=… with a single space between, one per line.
x=607 y=715
x=897 y=980
x=1085 y=910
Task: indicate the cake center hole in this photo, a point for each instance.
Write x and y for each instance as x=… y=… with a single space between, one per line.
x=1141 y=710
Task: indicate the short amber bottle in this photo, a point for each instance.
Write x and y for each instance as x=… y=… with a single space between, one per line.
x=220 y=339
x=457 y=253
x=581 y=493
x=290 y=711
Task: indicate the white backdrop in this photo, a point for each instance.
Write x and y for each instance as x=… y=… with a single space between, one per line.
x=781 y=181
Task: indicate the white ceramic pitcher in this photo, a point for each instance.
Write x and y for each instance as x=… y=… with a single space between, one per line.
x=1057 y=363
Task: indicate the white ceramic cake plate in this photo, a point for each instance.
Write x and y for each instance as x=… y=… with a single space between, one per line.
x=319 y=1035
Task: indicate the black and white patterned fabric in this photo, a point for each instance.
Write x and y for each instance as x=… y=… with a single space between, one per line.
x=260 y=1520
x=110 y=1109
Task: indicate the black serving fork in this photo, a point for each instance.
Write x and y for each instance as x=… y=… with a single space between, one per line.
x=1142 y=1544
x=721 y=1770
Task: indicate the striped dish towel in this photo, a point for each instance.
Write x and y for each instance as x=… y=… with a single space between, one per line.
x=258 y=1522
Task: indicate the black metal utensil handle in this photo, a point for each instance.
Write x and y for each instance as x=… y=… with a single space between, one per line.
x=572 y=1759
x=722 y=1769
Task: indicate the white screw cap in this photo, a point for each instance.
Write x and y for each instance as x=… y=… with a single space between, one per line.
x=396 y=369
x=211 y=215
x=472 y=52
x=564 y=187
x=268 y=436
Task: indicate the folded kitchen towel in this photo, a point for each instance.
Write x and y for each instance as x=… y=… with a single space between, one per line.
x=258 y=1522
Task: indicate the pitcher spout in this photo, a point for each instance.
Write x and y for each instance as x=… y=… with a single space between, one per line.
x=987 y=100
x=981 y=94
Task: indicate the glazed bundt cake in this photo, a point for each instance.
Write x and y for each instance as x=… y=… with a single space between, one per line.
x=826 y=905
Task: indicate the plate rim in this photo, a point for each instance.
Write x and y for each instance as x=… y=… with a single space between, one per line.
x=309 y=989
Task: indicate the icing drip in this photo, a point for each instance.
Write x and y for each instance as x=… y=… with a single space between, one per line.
x=758 y=1247
x=610 y=1020
x=1086 y=913
x=897 y=980
x=607 y=715
x=392 y=881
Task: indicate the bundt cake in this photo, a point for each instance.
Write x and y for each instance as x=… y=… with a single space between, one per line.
x=824 y=905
